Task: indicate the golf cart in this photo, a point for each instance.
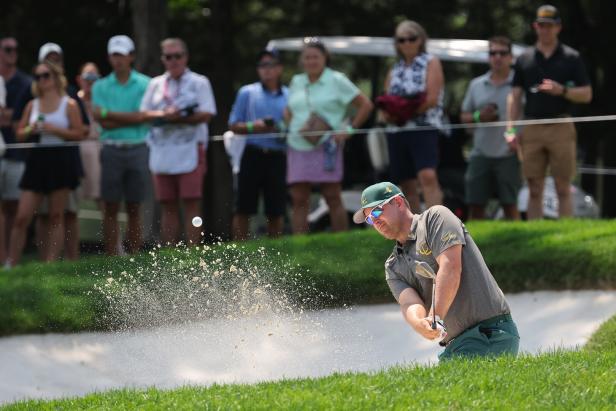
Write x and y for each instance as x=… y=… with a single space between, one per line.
x=366 y=157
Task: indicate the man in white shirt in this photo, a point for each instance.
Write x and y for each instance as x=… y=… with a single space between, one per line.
x=180 y=103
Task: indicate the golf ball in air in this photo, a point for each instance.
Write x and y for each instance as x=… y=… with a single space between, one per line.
x=197 y=221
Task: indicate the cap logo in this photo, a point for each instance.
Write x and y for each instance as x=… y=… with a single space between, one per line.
x=364 y=200
x=388 y=190
x=546 y=13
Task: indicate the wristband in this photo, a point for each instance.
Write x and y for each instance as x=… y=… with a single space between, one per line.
x=104 y=113
x=511 y=130
x=350 y=130
x=28 y=129
x=476 y=115
x=249 y=127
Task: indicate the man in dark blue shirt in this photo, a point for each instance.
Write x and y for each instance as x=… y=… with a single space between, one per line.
x=257 y=111
x=552 y=77
x=12 y=164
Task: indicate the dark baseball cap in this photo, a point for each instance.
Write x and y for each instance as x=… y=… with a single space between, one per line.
x=272 y=52
x=548 y=14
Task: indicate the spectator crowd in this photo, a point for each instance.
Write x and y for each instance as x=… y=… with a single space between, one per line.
x=105 y=139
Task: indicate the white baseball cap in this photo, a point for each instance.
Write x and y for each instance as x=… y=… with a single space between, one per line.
x=120 y=44
x=48 y=48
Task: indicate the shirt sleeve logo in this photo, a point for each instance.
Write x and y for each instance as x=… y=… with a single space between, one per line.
x=449 y=237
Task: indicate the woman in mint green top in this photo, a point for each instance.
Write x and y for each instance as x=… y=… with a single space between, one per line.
x=327 y=94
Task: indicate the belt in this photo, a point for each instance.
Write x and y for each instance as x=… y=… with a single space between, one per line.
x=122 y=144
x=489 y=321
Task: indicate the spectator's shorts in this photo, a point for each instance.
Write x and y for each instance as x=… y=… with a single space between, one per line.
x=486 y=177
x=186 y=186
x=411 y=152
x=550 y=145
x=262 y=170
x=124 y=173
x=494 y=336
x=10 y=176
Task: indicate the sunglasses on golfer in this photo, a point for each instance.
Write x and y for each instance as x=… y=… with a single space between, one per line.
x=376 y=212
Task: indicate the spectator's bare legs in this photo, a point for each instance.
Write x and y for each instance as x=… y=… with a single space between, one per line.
x=169 y=224
x=332 y=192
x=192 y=209
x=71 y=228
x=28 y=203
x=565 y=202
x=3 y=241
x=511 y=212
x=535 y=198
x=275 y=225
x=241 y=222
x=300 y=197
x=133 y=230
x=428 y=181
x=9 y=210
x=409 y=188
x=41 y=234
x=55 y=241
x=111 y=228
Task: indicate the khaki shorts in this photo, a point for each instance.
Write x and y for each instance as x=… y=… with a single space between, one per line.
x=552 y=145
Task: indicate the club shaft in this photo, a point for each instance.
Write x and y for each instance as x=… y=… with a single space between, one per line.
x=433 y=304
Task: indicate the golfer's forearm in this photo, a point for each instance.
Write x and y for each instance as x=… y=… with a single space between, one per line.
x=447 y=284
x=413 y=313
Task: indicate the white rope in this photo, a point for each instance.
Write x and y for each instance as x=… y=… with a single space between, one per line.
x=386 y=129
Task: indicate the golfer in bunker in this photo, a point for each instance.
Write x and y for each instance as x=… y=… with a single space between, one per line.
x=438 y=276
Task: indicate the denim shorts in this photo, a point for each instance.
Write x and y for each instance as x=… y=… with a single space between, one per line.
x=411 y=152
x=494 y=336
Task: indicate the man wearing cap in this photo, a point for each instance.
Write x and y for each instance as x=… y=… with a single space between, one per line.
x=550 y=76
x=116 y=101
x=12 y=165
x=257 y=112
x=181 y=103
x=468 y=299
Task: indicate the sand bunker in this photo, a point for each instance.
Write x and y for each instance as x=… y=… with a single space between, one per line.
x=262 y=347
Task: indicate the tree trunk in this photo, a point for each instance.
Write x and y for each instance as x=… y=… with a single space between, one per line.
x=149 y=27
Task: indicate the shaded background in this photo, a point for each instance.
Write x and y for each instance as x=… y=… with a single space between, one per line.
x=224 y=36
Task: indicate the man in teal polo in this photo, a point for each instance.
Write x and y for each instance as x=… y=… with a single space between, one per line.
x=124 y=156
x=468 y=299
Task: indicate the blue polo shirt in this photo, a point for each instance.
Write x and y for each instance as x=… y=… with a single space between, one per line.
x=126 y=98
x=254 y=102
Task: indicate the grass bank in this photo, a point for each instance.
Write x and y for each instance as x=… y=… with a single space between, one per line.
x=314 y=270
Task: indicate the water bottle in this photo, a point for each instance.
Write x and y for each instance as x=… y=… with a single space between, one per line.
x=329 y=150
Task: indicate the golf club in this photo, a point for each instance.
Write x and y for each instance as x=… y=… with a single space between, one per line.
x=423 y=269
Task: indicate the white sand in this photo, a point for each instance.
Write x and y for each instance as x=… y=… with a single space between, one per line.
x=256 y=349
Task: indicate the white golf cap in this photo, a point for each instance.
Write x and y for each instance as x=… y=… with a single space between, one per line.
x=48 y=48
x=120 y=44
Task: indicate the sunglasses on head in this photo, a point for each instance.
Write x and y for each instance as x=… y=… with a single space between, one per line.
x=173 y=56
x=9 y=49
x=376 y=212
x=410 y=39
x=44 y=75
x=501 y=53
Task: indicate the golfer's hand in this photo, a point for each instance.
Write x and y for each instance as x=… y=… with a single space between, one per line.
x=424 y=327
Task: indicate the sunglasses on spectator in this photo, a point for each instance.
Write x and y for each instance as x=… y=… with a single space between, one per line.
x=173 y=56
x=44 y=75
x=501 y=53
x=91 y=77
x=9 y=49
x=410 y=39
x=377 y=211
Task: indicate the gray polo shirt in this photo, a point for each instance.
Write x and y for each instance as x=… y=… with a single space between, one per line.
x=488 y=141
x=433 y=232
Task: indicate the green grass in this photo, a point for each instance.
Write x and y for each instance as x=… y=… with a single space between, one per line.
x=318 y=270
x=561 y=380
